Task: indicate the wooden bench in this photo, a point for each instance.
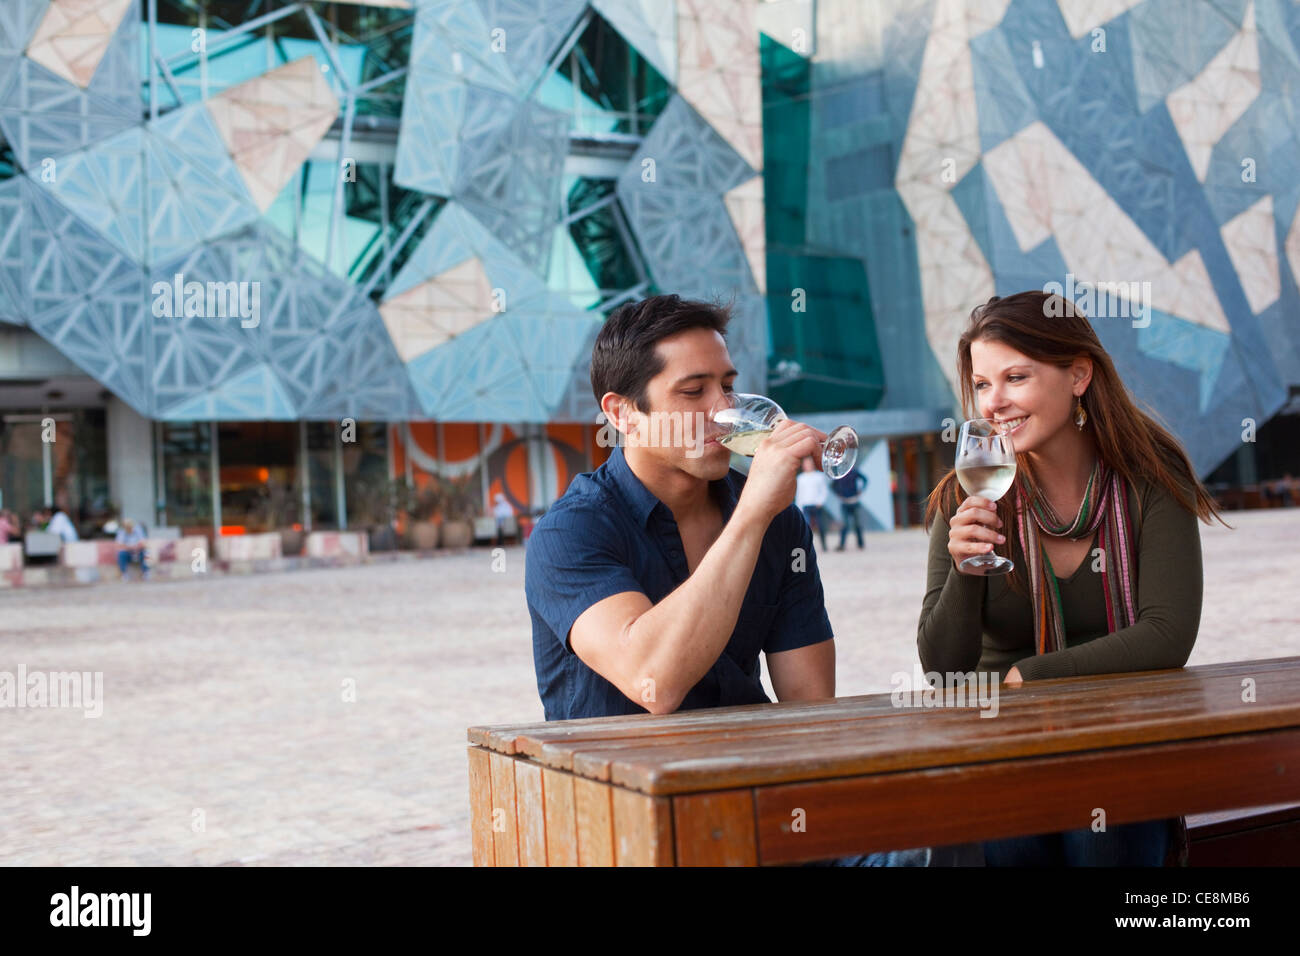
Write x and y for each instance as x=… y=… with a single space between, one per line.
x=1259 y=836
x=795 y=782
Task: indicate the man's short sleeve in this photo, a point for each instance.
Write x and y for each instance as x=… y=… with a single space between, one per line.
x=801 y=617
x=575 y=559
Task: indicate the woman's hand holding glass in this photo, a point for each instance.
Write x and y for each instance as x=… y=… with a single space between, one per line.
x=973 y=531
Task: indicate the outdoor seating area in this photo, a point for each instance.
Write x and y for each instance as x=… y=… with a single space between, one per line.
x=43 y=559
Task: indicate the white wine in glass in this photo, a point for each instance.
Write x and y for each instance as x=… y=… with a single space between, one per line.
x=744 y=442
x=748 y=419
x=986 y=468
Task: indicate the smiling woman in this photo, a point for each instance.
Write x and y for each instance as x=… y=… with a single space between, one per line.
x=1101 y=524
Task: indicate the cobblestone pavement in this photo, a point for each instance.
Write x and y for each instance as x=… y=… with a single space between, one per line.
x=225 y=697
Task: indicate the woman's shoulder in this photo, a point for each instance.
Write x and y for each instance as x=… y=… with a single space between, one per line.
x=1148 y=494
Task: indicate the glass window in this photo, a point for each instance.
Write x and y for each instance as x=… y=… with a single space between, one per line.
x=594 y=257
x=77 y=464
x=376 y=211
x=258 y=464
x=8 y=162
x=365 y=475
x=606 y=84
x=22 y=464
x=85 y=472
x=321 y=439
x=187 y=475
x=218 y=58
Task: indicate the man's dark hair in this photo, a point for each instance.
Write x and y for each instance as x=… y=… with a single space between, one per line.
x=624 y=358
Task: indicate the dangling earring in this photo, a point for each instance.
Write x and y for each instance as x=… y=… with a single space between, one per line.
x=1080 y=415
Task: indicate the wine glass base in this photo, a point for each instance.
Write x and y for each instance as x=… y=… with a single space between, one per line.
x=987 y=565
x=839 y=452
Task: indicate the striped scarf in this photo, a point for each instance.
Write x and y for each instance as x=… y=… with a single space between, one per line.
x=1105 y=506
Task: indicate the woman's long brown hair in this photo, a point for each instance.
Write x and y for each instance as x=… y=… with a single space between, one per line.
x=1051 y=329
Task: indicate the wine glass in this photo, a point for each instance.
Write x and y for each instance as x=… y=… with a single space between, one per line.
x=748 y=419
x=986 y=467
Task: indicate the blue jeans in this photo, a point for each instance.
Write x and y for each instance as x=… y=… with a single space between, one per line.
x=918 y=857
x=125 y=558
x=814 y=515
x=1128 y=844
x=852 y=516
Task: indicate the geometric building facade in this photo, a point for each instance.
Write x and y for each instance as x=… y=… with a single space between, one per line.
x=390 y=212
x=1143 y=155
x=121 y=200
x=416 y=213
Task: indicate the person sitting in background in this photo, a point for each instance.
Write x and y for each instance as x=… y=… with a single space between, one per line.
x=849 y=490
x=61 y=525
x=811 y=488
x=9 y=526
x=131 y=548
x=502 y=512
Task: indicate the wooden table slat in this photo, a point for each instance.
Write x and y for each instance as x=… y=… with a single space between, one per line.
x=505 y=827
x=716 y=829
x=480 y=807
x=1132 y=784
x=594 y=807
x=561 y=819
x=531 y=738
x=643 y=829
x=595 y=759
x=752 y=764
x=531 y=813
x=558 y=749
x=1197 y=705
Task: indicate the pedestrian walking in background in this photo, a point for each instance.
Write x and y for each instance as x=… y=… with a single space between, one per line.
x=848 y=490
x=811 y=490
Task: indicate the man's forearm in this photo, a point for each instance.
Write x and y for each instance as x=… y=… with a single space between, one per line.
x=682 y=636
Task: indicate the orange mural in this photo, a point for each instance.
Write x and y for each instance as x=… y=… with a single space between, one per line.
x=508 y=454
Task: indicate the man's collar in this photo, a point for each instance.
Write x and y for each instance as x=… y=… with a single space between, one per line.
x=643 y=502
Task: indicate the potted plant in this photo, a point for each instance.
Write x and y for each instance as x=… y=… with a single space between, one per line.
x=377 y=504
x=424 y=505
x=461 y=504
x=384 y=535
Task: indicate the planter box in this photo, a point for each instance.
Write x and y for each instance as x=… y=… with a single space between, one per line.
x=88 y=554
x=248 y=547
x=98 y=553
x=335 y=544
x=168 y=550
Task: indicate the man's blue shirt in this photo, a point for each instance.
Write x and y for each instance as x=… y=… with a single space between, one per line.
x=608 y=534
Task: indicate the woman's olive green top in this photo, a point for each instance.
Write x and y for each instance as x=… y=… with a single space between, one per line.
x=980 y=623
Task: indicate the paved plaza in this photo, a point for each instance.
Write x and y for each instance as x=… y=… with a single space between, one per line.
x=318 y=717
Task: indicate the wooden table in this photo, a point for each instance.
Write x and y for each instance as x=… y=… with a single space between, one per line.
x=787 y=783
